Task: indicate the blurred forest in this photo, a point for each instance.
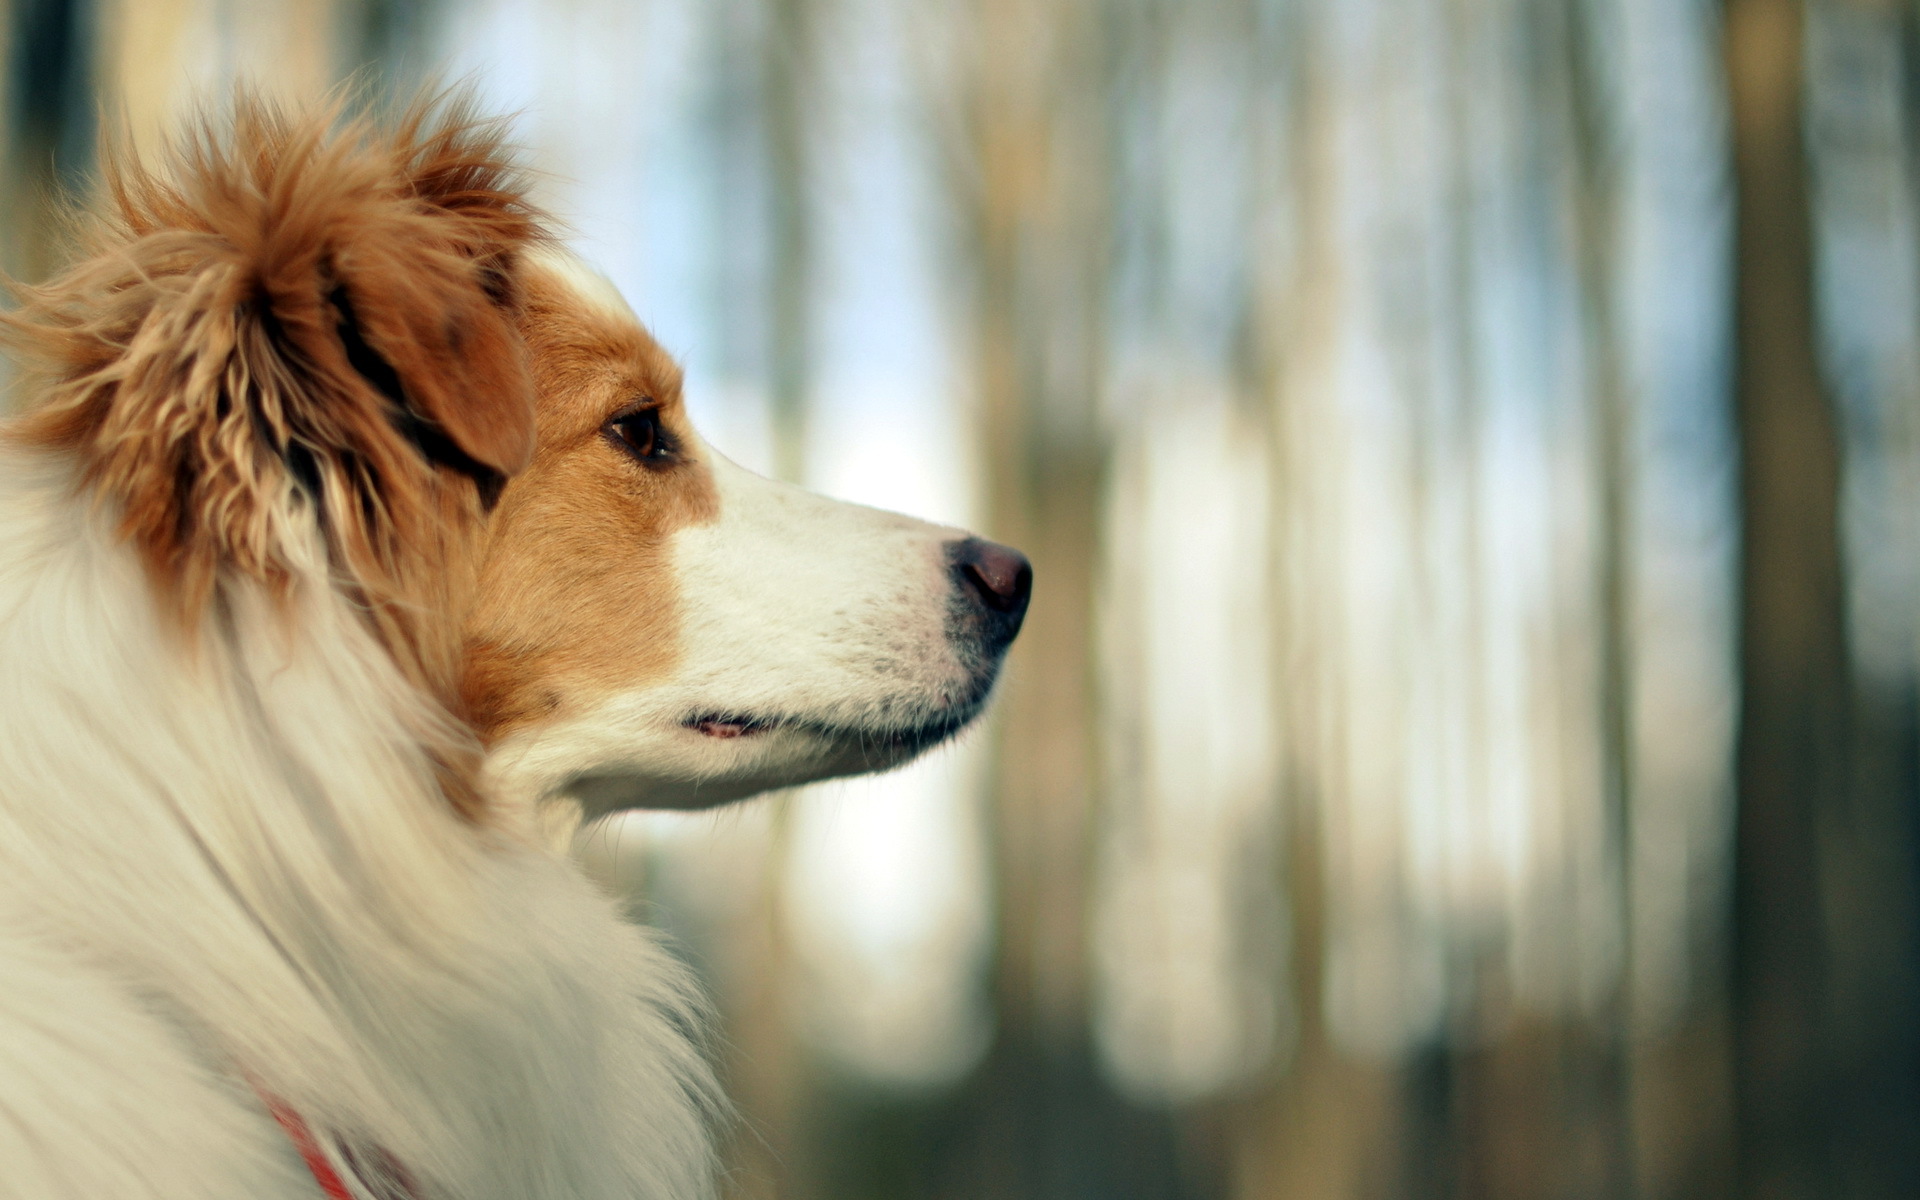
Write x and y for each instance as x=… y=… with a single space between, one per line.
x=1464 y=744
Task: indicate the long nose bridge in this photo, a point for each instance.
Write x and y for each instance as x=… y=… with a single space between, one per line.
x=815 y=521
x=789 y=508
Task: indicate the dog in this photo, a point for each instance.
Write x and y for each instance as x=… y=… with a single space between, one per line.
x=351 y=528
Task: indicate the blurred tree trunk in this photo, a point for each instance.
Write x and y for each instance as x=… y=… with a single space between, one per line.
x=787 y=103
x=391 y=39
x=1812 y=1109
x=766 y=1070
x=1042 y=475
x=159 y=58
x=1039 y=1121
x=50 y=126
x=1595 y=158
x=1327 y=1127
x=1792 y=747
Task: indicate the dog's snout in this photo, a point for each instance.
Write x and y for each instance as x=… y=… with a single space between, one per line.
x=997 y=576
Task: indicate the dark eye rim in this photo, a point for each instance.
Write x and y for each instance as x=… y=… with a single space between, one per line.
x=657 y=450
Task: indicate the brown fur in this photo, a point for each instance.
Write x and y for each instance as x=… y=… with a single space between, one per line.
x=577 y=600
x=286 y=316
x=349 y=318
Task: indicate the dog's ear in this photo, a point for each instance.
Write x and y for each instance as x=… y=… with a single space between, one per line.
x=298 y=325
x=438 y=328
x=443 y=352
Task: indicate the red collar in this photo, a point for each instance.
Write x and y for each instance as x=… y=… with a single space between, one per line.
x=301 y=1135
x=328 y=1176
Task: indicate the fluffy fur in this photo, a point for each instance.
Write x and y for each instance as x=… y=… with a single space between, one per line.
x=354 y=530
x=240 y=840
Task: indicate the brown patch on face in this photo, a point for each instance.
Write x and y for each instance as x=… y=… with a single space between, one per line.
x=576 y=597
x=291 y=323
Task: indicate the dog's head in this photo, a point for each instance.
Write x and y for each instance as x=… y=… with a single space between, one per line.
x=291 y=357
x=298 y=336
x=660 y=627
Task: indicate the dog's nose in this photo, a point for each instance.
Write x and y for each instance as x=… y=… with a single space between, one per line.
x=1000 y=576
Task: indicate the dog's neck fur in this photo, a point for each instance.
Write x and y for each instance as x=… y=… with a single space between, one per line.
x=245 y=834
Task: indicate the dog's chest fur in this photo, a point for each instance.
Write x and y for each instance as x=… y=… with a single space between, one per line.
x=226 y=867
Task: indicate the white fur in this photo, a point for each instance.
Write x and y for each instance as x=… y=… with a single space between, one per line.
x=229 y=867
x=591 y=289
x=829 y=619
x=226 y=867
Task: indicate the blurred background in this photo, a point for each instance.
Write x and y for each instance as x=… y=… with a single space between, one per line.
x=1464 y=744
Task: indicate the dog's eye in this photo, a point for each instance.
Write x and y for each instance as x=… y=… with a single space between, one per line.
x=638 y=433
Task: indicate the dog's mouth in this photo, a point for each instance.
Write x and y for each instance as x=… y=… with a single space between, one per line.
x=908 y=740
x=727 y=725
x=729 y=754
x=890 y=739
